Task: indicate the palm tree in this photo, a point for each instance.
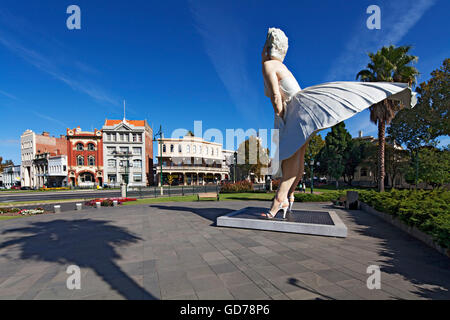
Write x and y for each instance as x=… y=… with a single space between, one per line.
x=390 y=64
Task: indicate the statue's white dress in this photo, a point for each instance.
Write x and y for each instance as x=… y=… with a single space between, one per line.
x=325 y=105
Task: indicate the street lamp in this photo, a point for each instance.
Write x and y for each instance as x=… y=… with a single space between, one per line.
x=125 y=164
x=234 y=167
x=160 y=134
x=312 y=175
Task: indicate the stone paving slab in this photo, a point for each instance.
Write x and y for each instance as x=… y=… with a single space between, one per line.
x=176 y=251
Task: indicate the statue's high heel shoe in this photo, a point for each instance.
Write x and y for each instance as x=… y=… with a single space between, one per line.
x=291 y=204
x=282 y=206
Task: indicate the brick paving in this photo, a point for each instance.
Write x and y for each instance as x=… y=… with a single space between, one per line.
x=175 y=251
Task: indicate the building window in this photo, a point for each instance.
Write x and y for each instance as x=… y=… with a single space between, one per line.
x=194 y=149
x=179 y=148
x=111 y=150
x=111 y=163
x=137 y=177
x=123 y=149
x=91 y=160
x=134 y=137
x=80 y=147
x=363 y=172
x=137 y=163
x=171 y=148
x=108 y=137
x=80 y=160
x=139 y=136
x=113 y=136
x=164 y=148
x=200 y=149
x=188 y=149
x=137 y=150
x=91 y=147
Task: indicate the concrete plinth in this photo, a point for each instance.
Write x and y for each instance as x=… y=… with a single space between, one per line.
x=79 y=206
x=322 y=223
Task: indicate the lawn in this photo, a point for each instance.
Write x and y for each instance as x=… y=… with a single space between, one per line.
x=8 y=217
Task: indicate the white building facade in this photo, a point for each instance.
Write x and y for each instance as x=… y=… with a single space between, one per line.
x=11 y=176
x=57 y=171
x=191 y=161
x=127 y=153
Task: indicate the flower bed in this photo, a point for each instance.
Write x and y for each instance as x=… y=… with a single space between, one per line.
x=19 y=212
x=108 y=202
x=240 y=186
x=54 y=189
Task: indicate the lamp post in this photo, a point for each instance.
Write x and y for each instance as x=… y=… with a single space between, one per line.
x=160 y=134
x=234 y=167
x=312 y=175
x=125 y=164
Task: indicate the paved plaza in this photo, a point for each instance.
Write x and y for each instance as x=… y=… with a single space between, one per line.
x=175 y=251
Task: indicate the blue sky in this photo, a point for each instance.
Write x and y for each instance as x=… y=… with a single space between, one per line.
x=179 y=61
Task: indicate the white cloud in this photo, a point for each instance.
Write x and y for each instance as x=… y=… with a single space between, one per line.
x=398 y=17
x=72 y=72
x=225 y=43
x=9 y=95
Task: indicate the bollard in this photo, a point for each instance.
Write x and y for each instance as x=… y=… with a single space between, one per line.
x=57 y=208
x=78 y=206
x=352 y=202
x=115 y=203
x=98 y=205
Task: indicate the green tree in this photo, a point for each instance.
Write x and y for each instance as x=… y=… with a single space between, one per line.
x=389 y=64
x=434 y=166
x=429 y=119
x=252 y=157
x=5 y=163
x=332 y=156
x=315 y=145
x=397 y=161
x=353 y=156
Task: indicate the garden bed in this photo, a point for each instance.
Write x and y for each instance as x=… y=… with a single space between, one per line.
x=425 y=210
x=12 y=212
x=108 y=202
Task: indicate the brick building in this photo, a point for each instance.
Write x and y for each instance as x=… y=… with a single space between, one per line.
x=84 y=157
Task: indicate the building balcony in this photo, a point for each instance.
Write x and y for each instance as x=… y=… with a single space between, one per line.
x=191 y=168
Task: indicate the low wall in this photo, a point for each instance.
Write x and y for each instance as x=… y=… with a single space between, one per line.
x=411 y=230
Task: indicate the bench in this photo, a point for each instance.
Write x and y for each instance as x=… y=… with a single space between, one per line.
x=208 y=195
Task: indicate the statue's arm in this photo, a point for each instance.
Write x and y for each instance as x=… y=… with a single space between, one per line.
x=273 y=86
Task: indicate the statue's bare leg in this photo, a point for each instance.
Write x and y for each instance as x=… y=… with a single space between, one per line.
x=301 y=160
x=290 y=167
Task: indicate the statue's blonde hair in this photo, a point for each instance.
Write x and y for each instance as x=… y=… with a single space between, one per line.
x=276 y=43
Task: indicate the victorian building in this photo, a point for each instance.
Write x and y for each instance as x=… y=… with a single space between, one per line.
x=11 y=176
x=84 y=157
x=191 y=161
x=35 y=149
x=128 y=152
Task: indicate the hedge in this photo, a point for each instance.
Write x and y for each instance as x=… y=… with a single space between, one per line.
x=428 y=210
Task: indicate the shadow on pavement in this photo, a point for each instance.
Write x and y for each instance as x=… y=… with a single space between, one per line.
x=425 y=268
x=208 y=213
x=86 y=243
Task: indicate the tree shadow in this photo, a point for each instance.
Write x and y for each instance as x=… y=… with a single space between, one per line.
x=295 y=282
x=405 y=256
x=86 y=243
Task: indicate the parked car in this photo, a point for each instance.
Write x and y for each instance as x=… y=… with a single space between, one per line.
x=25 y=188
x=15 y=188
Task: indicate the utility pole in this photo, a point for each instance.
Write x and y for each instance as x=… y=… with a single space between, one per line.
x=160 y=134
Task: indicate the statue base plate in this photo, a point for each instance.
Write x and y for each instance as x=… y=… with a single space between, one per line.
x=321 y=223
